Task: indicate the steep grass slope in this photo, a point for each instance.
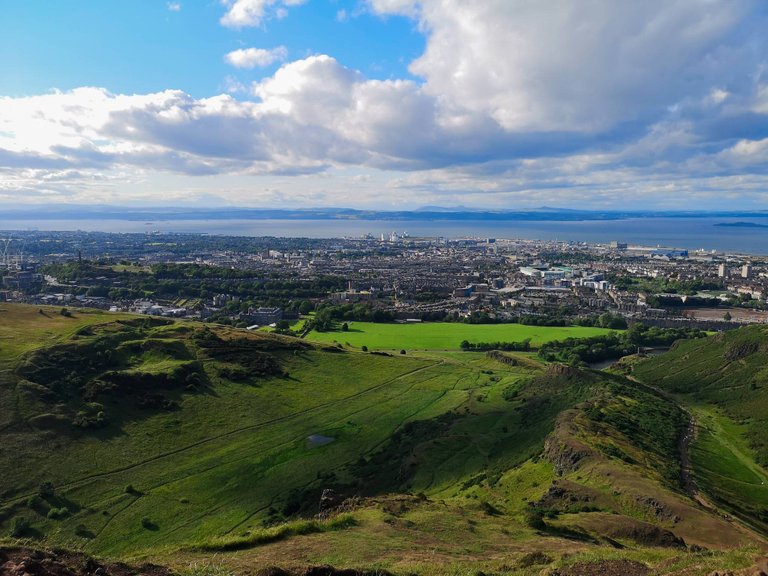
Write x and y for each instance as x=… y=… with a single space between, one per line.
x=142 y=437
x=724 y=380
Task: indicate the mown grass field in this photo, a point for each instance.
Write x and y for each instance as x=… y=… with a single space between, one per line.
x=446 y=335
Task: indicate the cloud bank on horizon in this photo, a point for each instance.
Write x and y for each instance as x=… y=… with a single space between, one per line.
x=595 y=103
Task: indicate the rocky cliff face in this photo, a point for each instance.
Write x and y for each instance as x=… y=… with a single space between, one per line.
x=562 y=447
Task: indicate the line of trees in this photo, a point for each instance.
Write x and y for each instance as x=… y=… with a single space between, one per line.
x=578 y=351
x=327 y=316
x=614 y=345
x=521 y=346
x=562 y=317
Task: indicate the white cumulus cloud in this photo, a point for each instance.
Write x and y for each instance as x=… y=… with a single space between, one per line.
x=586 y=66
x=511 y=99
x=248 y=13
x=256 y=57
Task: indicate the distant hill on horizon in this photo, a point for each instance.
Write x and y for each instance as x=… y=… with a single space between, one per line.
x=458 y=213
x=741 y=225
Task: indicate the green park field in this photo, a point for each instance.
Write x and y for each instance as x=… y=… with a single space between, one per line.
x=446 y=335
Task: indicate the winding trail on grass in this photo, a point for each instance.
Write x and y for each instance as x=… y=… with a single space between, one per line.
x=683 y=448
x=686 y=468
x=735 y=520
x=115 y=515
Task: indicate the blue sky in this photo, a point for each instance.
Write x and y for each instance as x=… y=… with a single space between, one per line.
x=129 y=46
x=385 y=103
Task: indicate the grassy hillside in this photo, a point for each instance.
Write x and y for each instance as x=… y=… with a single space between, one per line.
x=446 y=335
x=23 y=328
x=139 y=437
x=724 y=380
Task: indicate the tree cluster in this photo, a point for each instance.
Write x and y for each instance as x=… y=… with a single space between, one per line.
x=614 y=345
x=521 y=346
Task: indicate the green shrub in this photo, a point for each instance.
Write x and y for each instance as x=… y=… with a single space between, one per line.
x=46 y=489
x=57 y=513
x=534 y=518
x=511 y=392
x=20 y=527
x=82 y=531
x=36 y=503
x=91 y=415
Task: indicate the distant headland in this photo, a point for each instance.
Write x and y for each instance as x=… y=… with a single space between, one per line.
x=741 y=225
